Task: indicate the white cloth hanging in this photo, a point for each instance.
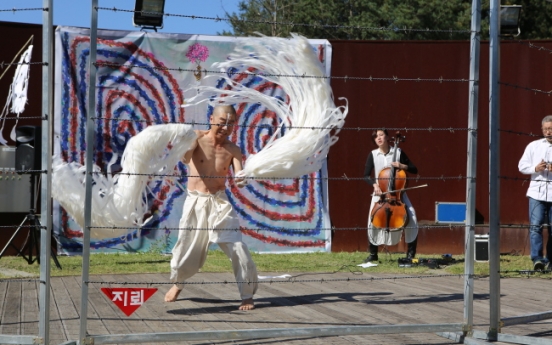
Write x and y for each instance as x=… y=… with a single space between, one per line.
x=17 y=94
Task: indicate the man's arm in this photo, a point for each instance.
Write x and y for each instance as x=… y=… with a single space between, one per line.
x=188 y=155
x=526 y=164
x=237 y=166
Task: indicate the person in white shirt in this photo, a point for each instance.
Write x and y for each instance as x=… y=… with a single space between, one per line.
x=537 y=162
x=377 y=160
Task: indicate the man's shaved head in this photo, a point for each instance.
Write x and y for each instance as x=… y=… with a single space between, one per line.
x=224 y=109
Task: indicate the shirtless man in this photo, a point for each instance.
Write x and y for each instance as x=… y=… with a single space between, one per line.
x=207 y=212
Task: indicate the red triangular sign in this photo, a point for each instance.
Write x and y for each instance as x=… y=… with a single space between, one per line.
x=129 y=299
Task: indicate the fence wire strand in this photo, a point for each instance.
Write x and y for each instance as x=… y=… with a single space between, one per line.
x=515 y=86
x=269 y=22
x=7 y=64
x=298 y=230
x=230 y=73
x=530 y=134
x=291 y=280
x=358 y=129
x=533 y=46
x=24 y=9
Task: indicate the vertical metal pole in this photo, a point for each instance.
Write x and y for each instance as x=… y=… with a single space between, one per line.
x=91 y=113
x=46 y=184
x=472 y=162
x=494 y=164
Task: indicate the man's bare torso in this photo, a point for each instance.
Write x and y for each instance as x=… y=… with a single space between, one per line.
x=209 y=164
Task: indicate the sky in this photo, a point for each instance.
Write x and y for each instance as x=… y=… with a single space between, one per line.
x=77 y=13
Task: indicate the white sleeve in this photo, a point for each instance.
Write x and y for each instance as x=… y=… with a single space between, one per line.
x=526 y=164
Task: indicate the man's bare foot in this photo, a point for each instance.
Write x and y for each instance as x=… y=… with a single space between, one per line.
x=247 y=304
x=172 y=294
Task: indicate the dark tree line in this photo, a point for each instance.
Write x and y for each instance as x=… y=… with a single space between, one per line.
x=389 y=19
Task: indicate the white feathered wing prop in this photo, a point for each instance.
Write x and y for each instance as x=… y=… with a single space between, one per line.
x=17 y=94
x=120 y=201
x=311 y=118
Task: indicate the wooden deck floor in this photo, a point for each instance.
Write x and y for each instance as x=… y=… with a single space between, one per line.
x=278 y=305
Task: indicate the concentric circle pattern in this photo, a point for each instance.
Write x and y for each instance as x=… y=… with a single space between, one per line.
x=277 y=215
x=133 y=91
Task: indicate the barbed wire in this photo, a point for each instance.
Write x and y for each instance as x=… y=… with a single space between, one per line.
x=520 y=133
x=194 y=123
x=449 y=226
x=24 y=117
x=25 y=9
x=523 y=179
x=315 y=25
x=23 y=226
x=343 y=178
x=290 y=280
x=227 y=72
x=20 y=280
x=520 y=225
x=525 y=88
x=527 y=272
x=178 y=175
x=7 y=64
x=298 y=230
x=531 y=45
x=23 y=172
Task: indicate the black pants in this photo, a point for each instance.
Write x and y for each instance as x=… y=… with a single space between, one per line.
x=410 y=251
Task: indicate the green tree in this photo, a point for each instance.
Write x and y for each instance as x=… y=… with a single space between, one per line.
x=379 y=19
x=417 y=19
x=311 y=18
x=535 y=20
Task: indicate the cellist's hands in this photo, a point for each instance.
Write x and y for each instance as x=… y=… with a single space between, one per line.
x=398 y=165
x=377 y=189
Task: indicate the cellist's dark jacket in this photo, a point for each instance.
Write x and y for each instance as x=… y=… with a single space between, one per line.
x=403 y=159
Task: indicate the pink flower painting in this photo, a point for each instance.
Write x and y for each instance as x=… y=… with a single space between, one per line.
x=197 y=52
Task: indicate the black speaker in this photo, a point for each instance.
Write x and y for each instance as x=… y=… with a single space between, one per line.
x=28 y=148
x=481 y=247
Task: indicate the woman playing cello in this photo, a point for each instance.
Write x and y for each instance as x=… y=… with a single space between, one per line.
x=378 y=159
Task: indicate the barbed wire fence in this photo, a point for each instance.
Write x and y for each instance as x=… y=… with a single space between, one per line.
x=344 y=78
x=395 y=79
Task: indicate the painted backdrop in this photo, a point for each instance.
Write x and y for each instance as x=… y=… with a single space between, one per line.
x=143 y=79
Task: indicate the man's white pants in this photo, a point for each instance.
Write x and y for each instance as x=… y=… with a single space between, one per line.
x=210 y=218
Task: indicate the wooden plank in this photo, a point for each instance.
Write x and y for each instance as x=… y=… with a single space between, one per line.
x=208 y=306
x=94 y=324
x=306 y=315
x=29 y=308
x=103 y=310
x=3 y=297
x=11 y=314
x=214 y=311
x=153 y=321
x=321 y=298
x=67 y=310
x=176 y=320
x=226 y=290
x=267 y=314
x=419 y=293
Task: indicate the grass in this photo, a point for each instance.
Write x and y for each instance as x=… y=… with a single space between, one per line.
x=266 y=263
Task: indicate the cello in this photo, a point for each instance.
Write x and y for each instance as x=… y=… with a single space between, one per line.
x=389 y=212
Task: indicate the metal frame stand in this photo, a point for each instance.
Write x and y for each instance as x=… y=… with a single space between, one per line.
x=33 y=237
